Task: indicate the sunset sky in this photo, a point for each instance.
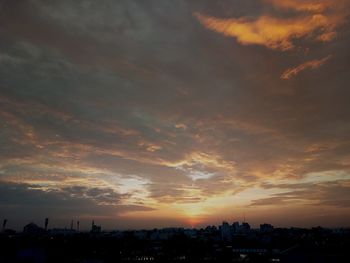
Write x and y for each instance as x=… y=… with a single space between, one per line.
x=142 y=114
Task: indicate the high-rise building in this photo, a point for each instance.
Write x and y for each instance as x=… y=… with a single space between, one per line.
x=46 y=223
x=4 y=224
x=225 y=231
x=245 y=227
x=235 y=227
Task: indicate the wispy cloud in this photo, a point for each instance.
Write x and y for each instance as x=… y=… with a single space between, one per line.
x=329 y=193
x=312 y=64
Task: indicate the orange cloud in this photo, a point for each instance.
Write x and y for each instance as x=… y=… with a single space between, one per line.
x=301 y=5
x=273 y=33
x=311 y=6
x=312 y=64
x=327 y=37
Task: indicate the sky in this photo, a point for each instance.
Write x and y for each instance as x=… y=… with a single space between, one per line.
x=143 y=114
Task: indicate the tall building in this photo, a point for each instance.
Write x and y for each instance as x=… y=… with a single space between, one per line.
x=4 y=224
x=235 y=227
x=225 y=231
x=46 y=223
x=245 y=227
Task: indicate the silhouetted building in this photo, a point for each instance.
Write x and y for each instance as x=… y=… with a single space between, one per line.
x=4 y=224
x=245 y=227
x=46 y=223
x=191 y=233
x=94 y=228
x=230 y=243
x=225 y=231
x=33 y=229
x=235 y=227
x=61 y=232
x=266 y=228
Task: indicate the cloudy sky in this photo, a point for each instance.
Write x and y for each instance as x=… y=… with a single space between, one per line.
x=175 y=113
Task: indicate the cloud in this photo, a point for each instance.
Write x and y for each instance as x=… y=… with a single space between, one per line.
x=302 y=5
x=312 y=64
x=169 y=193
x=271 y=32
x=106 y=196
x=278 y=33
x=31 y=202
x=310 y=20
x=311 y=6
x=316 y=192
x=100 y=103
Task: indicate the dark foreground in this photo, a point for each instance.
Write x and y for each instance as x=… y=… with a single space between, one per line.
x=279 y=245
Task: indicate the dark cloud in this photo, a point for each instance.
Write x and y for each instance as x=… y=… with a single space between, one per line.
x=32 y=202
x=334 y=194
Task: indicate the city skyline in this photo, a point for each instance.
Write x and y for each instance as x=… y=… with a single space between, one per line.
x=144 y=114
x=224 y=227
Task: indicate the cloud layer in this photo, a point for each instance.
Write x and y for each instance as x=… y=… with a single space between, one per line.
x=137 y=115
